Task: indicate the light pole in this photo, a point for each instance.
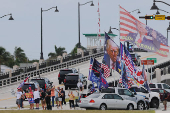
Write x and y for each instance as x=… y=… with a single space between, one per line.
x=10 y=18
x=41 y=56
x=79 y=45
x=168 y=30
x=160 y=10
x=154 y=7
x=110 y=31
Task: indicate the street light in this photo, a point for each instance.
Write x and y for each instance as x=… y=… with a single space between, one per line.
x=110 y=31
x=56 y=10
x=135 y=10
x=154 y=7
x=168 y=30
x=79 y=45
x=10 y=18
x=160 y=10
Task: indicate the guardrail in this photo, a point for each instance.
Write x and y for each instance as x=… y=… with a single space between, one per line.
x=34 y=73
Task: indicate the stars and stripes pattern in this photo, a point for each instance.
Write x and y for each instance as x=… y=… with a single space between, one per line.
x=129 y=24
x=22 y=83
x=106 y=70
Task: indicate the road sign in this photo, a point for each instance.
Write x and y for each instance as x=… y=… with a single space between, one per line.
x=155 y=59
x=159 y=17
x=147 y=62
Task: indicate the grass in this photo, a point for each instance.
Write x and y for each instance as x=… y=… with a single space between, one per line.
x=75 y=111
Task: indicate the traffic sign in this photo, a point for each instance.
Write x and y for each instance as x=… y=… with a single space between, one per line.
x=155 y=59
x=159 y=17
x=147 y=62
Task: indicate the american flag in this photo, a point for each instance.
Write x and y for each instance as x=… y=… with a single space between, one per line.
x=106 y=70
x=129 y=25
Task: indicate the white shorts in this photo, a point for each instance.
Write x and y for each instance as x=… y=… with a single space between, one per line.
x=59 y=99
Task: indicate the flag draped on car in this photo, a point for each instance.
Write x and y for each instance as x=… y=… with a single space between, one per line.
x=134 y=31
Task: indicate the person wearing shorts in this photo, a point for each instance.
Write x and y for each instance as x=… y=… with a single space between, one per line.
x=31 y=99
x=42 y=96
x=19 y=95
x=56 y=95
x=71 y=99
x=37 y=98
x=60 y=95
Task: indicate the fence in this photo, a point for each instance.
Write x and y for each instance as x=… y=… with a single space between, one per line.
x=44 y=69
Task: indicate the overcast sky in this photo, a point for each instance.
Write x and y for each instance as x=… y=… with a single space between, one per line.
x=61 y=29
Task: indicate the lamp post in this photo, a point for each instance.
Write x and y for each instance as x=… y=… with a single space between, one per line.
x=79 y=45
x=160 y=10
x=56 y=10
x=10 y=18
x=168 y=30
x=110 y=31
x=154 y=7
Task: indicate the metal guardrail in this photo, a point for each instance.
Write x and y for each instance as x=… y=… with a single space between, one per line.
x=22 y=76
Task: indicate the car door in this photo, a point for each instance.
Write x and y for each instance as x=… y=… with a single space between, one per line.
x=126 y=94
x=110 y=101
x=119 y=104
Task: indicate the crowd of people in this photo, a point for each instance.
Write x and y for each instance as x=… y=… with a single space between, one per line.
x=44 y=97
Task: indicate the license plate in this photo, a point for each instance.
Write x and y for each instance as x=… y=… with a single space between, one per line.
x=85 y=101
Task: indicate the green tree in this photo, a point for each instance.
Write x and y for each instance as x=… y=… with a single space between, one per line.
x=19 y=55
x=58 y=51
x=4 y=57
x=74 y=51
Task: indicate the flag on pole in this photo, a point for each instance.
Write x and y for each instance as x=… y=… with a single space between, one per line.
x=106 y=70
x=22 y=83
x=90 y=68
x=134 y=31
x=146 y=85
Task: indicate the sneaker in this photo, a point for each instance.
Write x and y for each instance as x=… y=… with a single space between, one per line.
x=18 y=108
x=163 y=110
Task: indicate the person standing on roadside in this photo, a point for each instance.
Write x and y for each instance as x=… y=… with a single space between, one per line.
x=165 y=96
x=80 y=85
x=53 y=95
x=60 y=95
x=31 y=98
x=42 y=95
x=63 y=98
x=71 y=99
x=37 y=98
x=19 y=96
x=48 y=99
x=56 y=95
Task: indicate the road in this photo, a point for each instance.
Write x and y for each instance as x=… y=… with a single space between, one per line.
x=7 y=100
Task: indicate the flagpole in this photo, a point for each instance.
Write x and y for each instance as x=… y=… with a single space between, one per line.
x=151 y=73
x=147 y=70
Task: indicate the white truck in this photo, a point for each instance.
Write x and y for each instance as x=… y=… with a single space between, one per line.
x=160 y=86
x=141 y=102
x=154 y=97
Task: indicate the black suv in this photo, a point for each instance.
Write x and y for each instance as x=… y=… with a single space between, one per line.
x=63 y=72
x=43 y=82
x=71 y=80
x=135 y=58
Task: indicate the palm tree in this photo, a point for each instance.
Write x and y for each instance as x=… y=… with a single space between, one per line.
x=58 y=51
x=19 y=55
x=4 y=56
x=74 y=51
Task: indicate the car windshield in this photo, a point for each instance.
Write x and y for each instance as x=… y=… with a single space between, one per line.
x=63 y=72
x=26 y=86
x=166 y=86
x=40 y=81
x=93 y=96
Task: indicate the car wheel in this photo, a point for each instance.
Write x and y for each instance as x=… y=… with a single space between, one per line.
x=130 y=107
x=85 y=86
x=140 y=106
x=155 y=103
x=59 y=81
x=66 y=87
x=103 y=107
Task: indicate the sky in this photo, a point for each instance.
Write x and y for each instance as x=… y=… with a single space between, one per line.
x=61 y=28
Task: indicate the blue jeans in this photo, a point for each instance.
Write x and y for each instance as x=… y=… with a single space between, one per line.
x=53 y=97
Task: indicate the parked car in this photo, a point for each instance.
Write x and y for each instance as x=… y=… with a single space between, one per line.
x=161 y=91
x=63 y=72
x=104 y=101
x=142 y=102
x=32 y=84
x=44 y=83
x=135 y=58
x=160 y=86
x=71 y=80
x=154 y=98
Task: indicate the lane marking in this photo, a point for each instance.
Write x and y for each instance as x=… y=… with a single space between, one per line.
x=149 y=56
x=7 y=98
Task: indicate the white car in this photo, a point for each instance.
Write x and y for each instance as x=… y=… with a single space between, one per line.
x=105 y=101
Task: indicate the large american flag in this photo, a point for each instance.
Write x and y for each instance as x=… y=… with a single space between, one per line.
x=129 y=24
x=106 y=70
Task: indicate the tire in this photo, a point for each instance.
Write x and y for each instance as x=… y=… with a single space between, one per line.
x=155 y=103
x=130 y=107
x=66 y=87
x=140 y=105
x=103 y=107
x=85 y=87
x=59 y=81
